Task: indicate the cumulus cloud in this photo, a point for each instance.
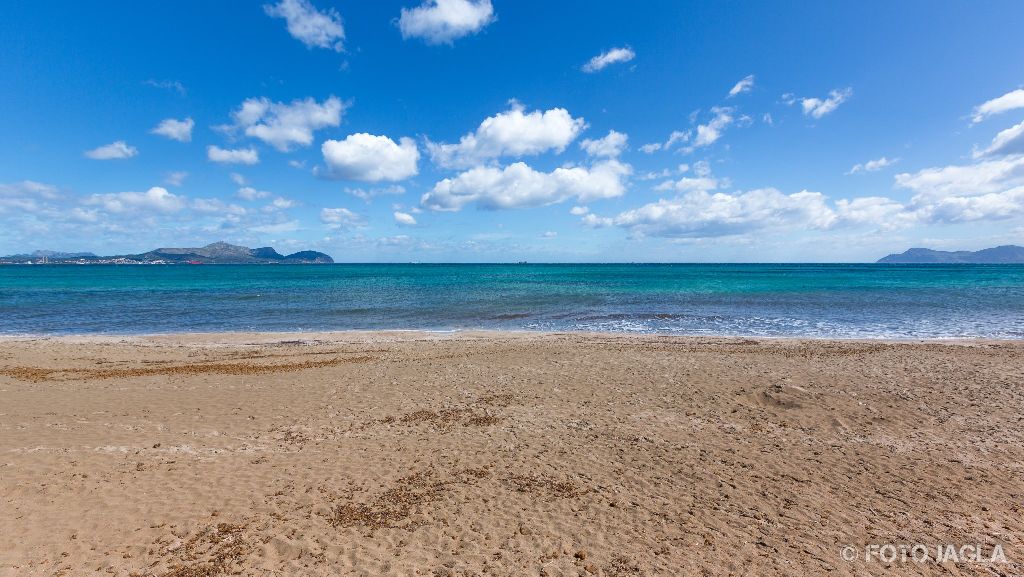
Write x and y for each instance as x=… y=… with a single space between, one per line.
x=579 y=210
x=216 y=206
x=368 y=194
x=701 y=181
x=510 y=133
x=676 y=137
x=277 y=227
x=1009 y=141
x=180 y=130
x=709 y=133
x=984 y=177
x=249 y=193
x=312 y=27
x=701 y=214
x=605 y=59
x=444 y=21
x=30 y=197
x=1010 y=101
x=28 y=188
x=986 y=190
x=232 y=156
x=175 y=178
x=156 y=199
x=520 y=186
x=282 y=125
x=745 y=85
x=404 y=219
x=819 y=107
x=878 y=211
x=873 y=165
x=610 y=146
x=687 y=184
x=281 y=203
x=371 y=158
x=339 y=218
x=113 y=151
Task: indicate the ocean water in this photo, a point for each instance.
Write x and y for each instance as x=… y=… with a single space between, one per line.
x=827 y=300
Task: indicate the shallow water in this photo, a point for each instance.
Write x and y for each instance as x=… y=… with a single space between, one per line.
x=827 y=300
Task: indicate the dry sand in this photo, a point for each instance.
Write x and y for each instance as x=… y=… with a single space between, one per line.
x=504 y=454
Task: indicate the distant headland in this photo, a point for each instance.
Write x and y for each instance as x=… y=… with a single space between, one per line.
x=216 y=253
x=1007 y=254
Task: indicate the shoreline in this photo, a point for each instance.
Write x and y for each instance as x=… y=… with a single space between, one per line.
x=392 y=335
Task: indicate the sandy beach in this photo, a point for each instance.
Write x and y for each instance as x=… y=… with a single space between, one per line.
x=505 y=454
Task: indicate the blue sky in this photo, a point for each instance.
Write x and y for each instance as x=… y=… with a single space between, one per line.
x=468 y=130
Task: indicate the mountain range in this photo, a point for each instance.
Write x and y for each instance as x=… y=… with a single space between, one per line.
x=1007 y=254
x=216 y=253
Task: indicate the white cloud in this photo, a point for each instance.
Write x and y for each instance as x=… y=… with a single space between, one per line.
x=156 y=199
x=180 y=130
x=549 y=234
x=818 y=107
x=579 y=210
x=114 y=150
x=405 y=219
x=700 y=168
x=511 y=133
x=277 y=228
x=611 y=146
x=339 y=218
x=1010 y=101
x=991 y=206
x=958 y=180
x=708 y=134
x=308 y=25
x=605 y=59
x=367 y=194
x=87 y=215
x=281 y=203
x=688 y=184
x=443 y=21
x=250 y=193
x=167 y=85
x=28 y=188
x=676 y=137
x=216 y=206
x=1009 y=141
x=282 y=125
x=232 y=156
x=371 y=158
x=703 y=215
x=879 y=211
x=873 y=165
x=238 y=179
x=520 y=186
x=745 y=85
x=986 y=190
x=176 y=178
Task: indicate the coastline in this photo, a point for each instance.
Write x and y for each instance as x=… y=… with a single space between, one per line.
x=397 y=335
x=388 y=453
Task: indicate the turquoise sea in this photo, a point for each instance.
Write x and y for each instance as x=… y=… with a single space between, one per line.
x=808 y=300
